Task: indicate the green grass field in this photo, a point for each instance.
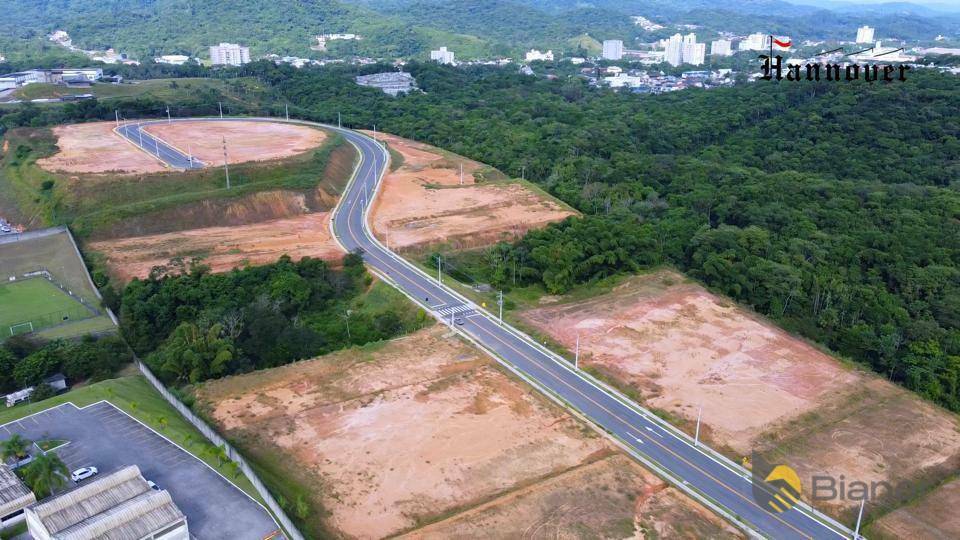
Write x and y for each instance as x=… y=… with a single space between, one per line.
x=39 y=301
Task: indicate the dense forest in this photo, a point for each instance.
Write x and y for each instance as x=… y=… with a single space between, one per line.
x=833 y=208
x=191 y=325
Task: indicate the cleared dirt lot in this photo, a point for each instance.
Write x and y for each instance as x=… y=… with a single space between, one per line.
x=223 y=248
x=246 y=141
x=423 y=203
x=610 y=498
x=95 y=148
x=414 y=431
x=676 y=347
x=934 y=516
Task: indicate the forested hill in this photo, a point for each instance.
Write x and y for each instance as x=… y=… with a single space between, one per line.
x=152 y=27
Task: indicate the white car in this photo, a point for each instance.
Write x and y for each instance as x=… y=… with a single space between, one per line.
x=83 y=473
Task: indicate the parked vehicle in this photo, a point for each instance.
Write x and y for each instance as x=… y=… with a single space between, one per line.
x=83 y=473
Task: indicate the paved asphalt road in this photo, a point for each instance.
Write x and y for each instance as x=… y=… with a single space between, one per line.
x=104 y=437
x=155 y=146
x=690 y=468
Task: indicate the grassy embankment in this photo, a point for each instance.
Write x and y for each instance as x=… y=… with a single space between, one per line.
x=104 y=205
x=169 y=90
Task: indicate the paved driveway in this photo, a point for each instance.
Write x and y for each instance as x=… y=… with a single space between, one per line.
x=105 y=437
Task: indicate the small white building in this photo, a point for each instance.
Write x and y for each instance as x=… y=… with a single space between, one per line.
x=534 y=55
x=442 y=56
x=229 y=54
x=172 y=59
x=865 y=34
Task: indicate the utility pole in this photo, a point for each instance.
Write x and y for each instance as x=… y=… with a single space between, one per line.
x=461 y=174
x=168 y=115
x=500 y=302
x=576 y=354
x=156 y=144
x=286 y=110
x=226 y=169
x=856 y=532
x=438 y=270
x=338 y=119
x=523 y=172
x=374 y=133
x=696 y=436
x=220 y=104
x=116 y=112
x=140 y=132
x=190 y=153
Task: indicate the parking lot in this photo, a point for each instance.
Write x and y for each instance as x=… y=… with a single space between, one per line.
x=102 y=436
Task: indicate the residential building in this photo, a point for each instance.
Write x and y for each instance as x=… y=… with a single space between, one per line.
x=865 y=34
x=442 y=56
x=535 y=55
x=576 y=60
x=118 y=505
x=879 y=53
x=721 y=47
x=755 y=42
x=229 y=54
x=172 y=59
x=391 y=82
x=612 y=49
x=674 y=47
x=646 y=23
x=14 y=498
x=685 y=50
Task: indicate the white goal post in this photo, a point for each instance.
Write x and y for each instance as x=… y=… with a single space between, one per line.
x=27 y=324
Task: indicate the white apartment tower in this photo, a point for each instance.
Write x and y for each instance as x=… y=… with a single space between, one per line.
x=612 y=49
x=442 y=56
x=755 y=42
x=674 y=55
x=229 y=54
x=865 y=34
x=685 y=50
x=721 y=47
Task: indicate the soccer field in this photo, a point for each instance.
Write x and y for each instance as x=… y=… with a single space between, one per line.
x=38 y=301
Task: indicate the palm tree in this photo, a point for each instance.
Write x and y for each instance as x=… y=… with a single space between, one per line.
x=14 y=448
x=45 y=474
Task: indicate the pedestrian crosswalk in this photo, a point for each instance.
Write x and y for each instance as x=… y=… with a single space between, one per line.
x=460 y=309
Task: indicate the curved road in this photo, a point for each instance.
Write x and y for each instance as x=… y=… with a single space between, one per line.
x=700 y=472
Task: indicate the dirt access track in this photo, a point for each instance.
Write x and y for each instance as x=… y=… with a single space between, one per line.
x=94 y=148
x=677 y=347
x=425 y=430
x=422 y=201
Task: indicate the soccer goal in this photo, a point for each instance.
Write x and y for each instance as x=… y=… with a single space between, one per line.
x=21 y=328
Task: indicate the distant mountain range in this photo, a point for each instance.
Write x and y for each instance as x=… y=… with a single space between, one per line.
x=404 y=28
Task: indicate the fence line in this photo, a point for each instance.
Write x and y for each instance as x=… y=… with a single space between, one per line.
x=289 y=528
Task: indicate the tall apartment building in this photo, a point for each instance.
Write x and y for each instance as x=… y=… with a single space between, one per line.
x=865 y=34
x=442 y=56
x=685 y=50
x=755 y=42
x=612 y=49
x=229 y=54
x=721 y=47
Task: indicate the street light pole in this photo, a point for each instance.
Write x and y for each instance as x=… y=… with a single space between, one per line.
x=168 y=115
x=220 y=105
x=438 y=270
x=226 y=169
x=500 y=301
x=576 y=354
x=116 y=113
x=696 y=436
x=856 y=532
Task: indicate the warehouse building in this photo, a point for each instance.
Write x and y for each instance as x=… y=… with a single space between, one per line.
x=14 y=497
x=119 y=506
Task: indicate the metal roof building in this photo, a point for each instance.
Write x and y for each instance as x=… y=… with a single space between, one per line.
x=14 y=497
x=118 y=506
